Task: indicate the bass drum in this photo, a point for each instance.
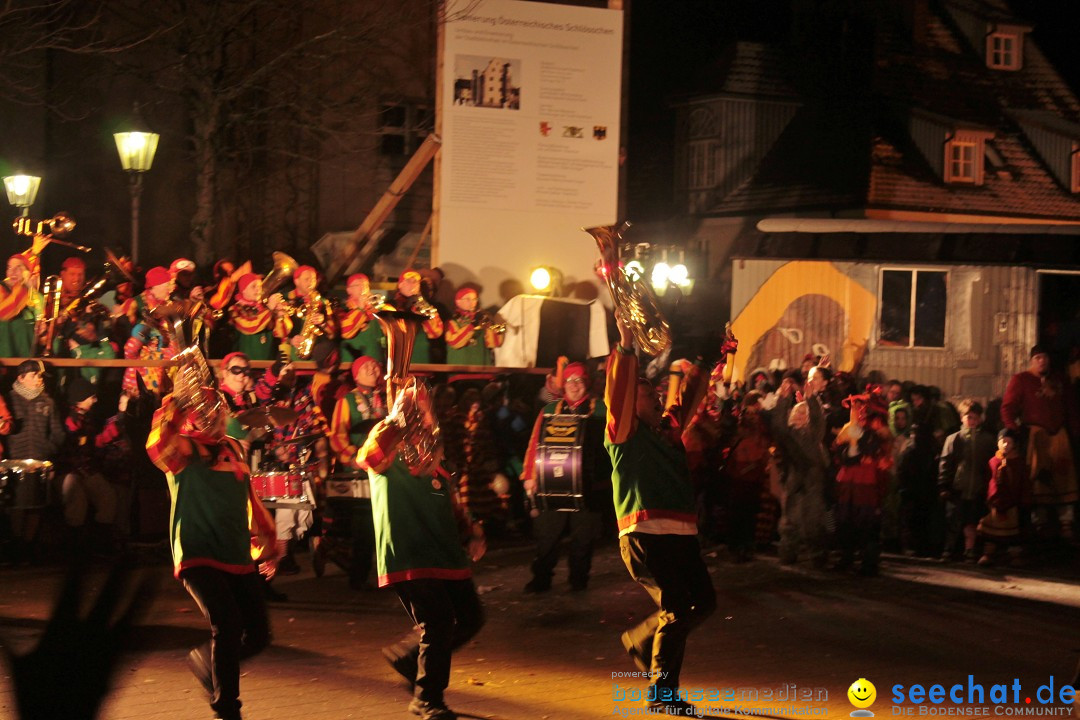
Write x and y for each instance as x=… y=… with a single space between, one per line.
x=560 y=456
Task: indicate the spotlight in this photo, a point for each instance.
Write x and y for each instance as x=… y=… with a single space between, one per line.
x=679 y=275
x=661 y=274
x=540 y=279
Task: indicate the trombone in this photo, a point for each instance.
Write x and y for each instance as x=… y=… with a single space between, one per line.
x=49 y=230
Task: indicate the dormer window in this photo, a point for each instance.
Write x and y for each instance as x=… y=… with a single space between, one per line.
x=1004 y=48
x=965 y=153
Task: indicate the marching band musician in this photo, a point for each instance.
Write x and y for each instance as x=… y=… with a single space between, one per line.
x=471 y=335
x=654 y=504
x=584 y=526
x=353 y=416
x=146 y=342
x=73 y=278
x=20 y=305
x=305 y=299
x=183 y=273
x=218 y=530
x=256 y=323
x=419 y=553
x=408 y=297
x=360 y=334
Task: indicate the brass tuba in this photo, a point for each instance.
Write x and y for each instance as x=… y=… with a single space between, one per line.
x=422 y=436
x=284 y=267
x=633 y=299
x=192 y=376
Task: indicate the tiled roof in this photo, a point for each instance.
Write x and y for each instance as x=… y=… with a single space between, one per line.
x=861 y=156
x=747 y=68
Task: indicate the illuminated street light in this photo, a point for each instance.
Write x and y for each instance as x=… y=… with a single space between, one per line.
x=136 y=149
x=661 y=274
x=634 y=270
x=22 y=191
x=679 y=275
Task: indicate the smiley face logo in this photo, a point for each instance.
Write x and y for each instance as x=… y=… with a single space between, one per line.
x=862 y=694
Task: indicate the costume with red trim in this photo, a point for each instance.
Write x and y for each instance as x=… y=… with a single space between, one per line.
x=299 y=305
x=361 y=334
x=416 y=533
x=256 y=325
x=20 y=306
x=1038 y=407
x=215 y=520
x=470 y=336
x=433 y=325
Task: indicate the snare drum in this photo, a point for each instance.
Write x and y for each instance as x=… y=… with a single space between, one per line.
x=278 y=485
x=25 y=484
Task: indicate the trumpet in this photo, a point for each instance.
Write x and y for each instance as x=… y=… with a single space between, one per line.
x=422 y=307
x=485 y=320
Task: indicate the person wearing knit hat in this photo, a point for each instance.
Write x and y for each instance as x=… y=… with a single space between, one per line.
x=256 y=323
x=471 y=334
x=410 y=298
x=361 y=334
x=308 y=308
x=146 y=341
x=551 y=524
x=18 y=306
x=348 y=498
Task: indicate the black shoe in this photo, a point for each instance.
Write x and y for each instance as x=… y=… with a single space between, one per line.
x=537 y=586
x=635 y=652
x=679 y=708
x=199 y=665
x=403 y=664
x=431 y=710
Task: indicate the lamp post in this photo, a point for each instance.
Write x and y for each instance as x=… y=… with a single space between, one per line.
x=22 y=191
x=136 y=149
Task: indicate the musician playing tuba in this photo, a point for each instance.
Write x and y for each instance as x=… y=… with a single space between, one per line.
x=410 y=298
x=471 y=334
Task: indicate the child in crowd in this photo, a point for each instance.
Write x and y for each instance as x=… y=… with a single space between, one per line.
x=1007 y=494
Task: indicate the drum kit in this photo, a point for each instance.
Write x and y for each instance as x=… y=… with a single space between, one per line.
x=25 y=484
x=291 y=488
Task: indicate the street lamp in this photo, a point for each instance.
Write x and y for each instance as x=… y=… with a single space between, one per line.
x=136 y=149
x=21 y=191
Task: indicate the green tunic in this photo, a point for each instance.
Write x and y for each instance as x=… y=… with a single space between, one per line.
x=472 y=354
x=257 y=346
x=416 y=534
x=369 y=341
x=17 y=335
x=650 y=479
x=208 y=521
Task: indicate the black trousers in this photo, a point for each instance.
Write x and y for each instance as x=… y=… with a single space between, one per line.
x=448 y=614
x=239 y=627
x=671 y=570
x=550 y=527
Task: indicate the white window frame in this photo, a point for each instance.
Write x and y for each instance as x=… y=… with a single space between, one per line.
x=914 y=270
x=961 y=139
x=998 y=55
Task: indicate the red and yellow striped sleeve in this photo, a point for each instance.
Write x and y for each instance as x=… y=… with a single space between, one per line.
x=620 y=395
x=528 y=469
x=458 y=334
x=165 y=446
x=381 y=446
x=12 y=301
x=351 y=322
x=340 y=423
x=253 y=324
x=283 y=325
x=493 y=338
x=433 y=327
